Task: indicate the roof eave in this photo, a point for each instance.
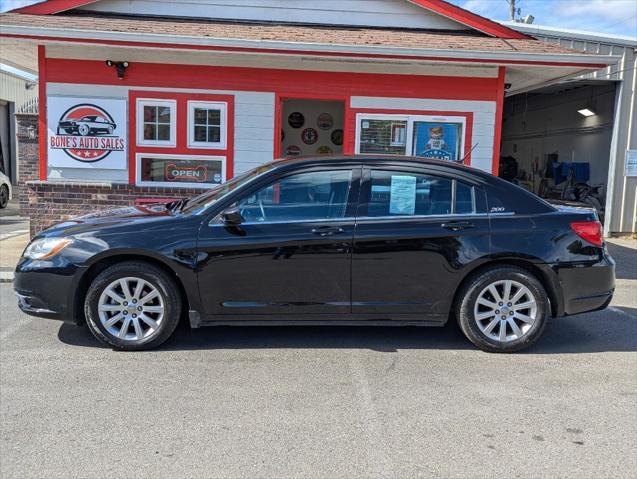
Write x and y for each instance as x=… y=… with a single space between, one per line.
x=164 y=41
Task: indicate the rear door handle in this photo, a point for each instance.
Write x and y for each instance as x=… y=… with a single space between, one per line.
x=327 y=230
x=458 y=225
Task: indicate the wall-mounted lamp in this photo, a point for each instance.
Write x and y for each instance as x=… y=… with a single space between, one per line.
x=586 y=112
x=119 y=66
x=31 y=132
x=507 y=86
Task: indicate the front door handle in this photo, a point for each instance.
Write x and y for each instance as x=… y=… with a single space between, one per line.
x=327 y=230
x=458 y=225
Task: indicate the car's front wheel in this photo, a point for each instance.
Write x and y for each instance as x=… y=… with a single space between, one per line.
x=503 y=309
x=132 y=306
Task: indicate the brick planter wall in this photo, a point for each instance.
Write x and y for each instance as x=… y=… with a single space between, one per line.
x=49 y=202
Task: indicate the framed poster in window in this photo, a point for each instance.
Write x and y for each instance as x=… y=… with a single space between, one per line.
x=437 y=140
x=187 y=171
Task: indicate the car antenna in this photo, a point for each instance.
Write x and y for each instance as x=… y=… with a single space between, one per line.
x=461 y=160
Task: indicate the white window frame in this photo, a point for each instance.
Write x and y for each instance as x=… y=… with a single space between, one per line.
x=178 y=184
x=172 y=104
x=222 y=106
x=411 y=119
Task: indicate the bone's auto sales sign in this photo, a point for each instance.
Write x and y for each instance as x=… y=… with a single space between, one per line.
x=87 y=133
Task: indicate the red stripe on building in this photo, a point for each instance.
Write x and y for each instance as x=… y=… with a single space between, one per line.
x=43 y=131
x=497 y=136
x=292 y=82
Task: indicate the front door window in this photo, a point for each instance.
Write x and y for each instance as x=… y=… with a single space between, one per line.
x=312 y=196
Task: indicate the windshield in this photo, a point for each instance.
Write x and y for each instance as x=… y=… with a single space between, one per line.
x=199 y=203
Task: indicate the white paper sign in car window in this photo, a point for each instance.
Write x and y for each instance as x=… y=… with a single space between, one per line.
x=402 y=200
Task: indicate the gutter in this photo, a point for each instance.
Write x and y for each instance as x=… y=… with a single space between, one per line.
x=164 y=41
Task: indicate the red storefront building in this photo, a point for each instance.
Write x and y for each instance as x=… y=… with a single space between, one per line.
x=150 y=100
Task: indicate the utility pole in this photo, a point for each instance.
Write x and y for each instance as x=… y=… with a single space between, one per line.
x=512 y=9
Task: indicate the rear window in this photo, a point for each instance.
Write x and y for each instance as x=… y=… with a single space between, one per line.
x=505 y=197
x=394 y=193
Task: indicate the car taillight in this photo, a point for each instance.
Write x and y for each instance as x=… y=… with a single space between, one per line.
x=590 y=231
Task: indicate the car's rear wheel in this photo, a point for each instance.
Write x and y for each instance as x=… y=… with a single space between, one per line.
x=4 y=196
x=503 y=309
x=132 y=306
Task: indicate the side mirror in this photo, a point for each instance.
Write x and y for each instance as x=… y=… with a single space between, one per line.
x=231 y=217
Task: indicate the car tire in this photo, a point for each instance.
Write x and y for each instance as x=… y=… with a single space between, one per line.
x=101 y=308
x=4 y=196
x=493 y=319
x=83 y=130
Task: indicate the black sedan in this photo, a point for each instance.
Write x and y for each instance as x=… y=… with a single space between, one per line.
x=344 y=240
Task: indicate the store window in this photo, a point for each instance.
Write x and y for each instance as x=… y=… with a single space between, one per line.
x=156 y=121
x=395 y=193
x=207 y=124
x=180 y=170
x=304 y=196
x=441 y=138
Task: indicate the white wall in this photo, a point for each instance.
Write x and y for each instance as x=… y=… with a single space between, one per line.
x=388 y=13
x=536 y=125
x=253 y=127
x=254 y=124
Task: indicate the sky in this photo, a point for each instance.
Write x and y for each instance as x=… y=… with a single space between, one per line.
x=618 y=17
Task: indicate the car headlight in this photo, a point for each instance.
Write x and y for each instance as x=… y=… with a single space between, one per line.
x=46 y=248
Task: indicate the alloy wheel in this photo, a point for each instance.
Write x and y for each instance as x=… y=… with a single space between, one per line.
x=505 y=310
x=131 y=309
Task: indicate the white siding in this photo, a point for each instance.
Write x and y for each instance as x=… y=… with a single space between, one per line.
x=386 y=13
x=253 y=127
x=14 y=89
x=483 y=120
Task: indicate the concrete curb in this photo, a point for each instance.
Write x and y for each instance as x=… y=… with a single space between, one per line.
x=6 y=277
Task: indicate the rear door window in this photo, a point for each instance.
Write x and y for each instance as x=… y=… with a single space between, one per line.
x=396 y=193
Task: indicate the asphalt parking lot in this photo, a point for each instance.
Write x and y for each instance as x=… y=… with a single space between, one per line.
x=323 y=401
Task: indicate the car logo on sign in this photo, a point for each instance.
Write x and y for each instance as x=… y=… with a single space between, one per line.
x=86 y=133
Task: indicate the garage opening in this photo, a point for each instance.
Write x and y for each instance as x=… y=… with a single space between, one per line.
x=311 y=127
x=556 y=141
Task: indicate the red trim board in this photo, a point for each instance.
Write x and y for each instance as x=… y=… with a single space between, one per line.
x=181 y=145
x=497 y=134
x=351 y=125
x=174 y=46
x=42 y=128
x=469 y=19
x=290 y=82
x=50 y=7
